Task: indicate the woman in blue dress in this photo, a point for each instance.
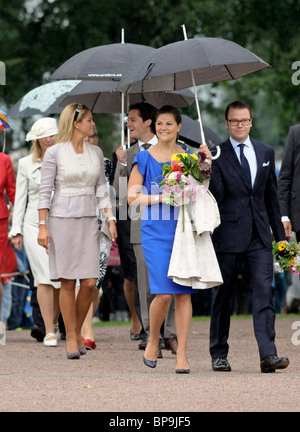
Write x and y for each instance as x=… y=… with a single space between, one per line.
x=158 y=231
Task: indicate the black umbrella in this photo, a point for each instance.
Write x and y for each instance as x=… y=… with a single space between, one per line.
x=102 y=97
x=189 y=63
x=103 y=63
x=210 y=59
x=190 y=133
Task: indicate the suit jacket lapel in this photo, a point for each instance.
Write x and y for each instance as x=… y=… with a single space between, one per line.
x=259 y=159
x=131 y=154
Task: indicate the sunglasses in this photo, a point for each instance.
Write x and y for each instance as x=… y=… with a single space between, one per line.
x=78 y=109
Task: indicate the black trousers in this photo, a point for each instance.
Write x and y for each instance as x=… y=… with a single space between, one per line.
x=260 y=261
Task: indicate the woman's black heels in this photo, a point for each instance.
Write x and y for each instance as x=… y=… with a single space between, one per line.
x=82 y=350
x=150 y=363
x=76 y=355
x=73 y=355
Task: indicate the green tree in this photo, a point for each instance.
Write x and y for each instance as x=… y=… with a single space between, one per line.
x=37 y=36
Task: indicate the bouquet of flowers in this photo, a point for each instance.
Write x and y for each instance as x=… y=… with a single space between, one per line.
x=286 y=257
x=182 y=179
x=183 y=176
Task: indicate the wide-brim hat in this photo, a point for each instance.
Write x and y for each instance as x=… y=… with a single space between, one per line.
x=42 y=128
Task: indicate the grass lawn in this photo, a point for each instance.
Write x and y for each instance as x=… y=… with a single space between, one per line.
x=195 y=318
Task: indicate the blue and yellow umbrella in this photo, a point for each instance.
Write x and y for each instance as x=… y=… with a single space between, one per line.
x=3 y=121
x=3 y=126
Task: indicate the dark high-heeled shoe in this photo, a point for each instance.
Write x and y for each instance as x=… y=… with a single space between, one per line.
x=135 y=336
x=82 y=350
x=182 y=371
x=150 y=363
x=73 y=355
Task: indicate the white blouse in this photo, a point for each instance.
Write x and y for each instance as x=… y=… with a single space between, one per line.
x=27 y=193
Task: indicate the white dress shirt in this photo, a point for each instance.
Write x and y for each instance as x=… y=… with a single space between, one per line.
x=153 y=141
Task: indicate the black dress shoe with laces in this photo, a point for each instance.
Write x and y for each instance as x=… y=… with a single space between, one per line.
x=38 y=333
x=272 y=362
x=143 y=343
x=220 y=364
x=171 y=344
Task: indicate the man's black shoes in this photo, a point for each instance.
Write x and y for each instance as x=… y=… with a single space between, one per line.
x=267 y=365
x=220 y=365
x=272 y=362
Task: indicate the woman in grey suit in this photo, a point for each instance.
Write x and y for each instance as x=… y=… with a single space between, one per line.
x=75 y=170
x=25 y=224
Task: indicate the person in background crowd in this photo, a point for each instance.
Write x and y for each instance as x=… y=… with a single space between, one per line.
x=105 y=245
x=9 y=270
x=289 y=184
x=8 y=185
x=127 y=256
x=25 y=226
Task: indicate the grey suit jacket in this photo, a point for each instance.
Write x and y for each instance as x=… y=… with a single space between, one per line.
x=289 y=179
x=120 y=181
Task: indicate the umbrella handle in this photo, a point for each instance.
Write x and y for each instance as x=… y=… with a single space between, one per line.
x=197 y=105
x=217 y=154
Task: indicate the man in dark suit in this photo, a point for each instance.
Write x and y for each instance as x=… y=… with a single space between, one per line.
x=141 y=123
x=244 y=185
x=289 y=184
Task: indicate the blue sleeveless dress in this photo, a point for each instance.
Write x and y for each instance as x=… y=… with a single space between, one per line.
x=158 y=230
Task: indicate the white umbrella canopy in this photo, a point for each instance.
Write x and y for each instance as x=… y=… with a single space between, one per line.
x=43 y=100
x=102 y=97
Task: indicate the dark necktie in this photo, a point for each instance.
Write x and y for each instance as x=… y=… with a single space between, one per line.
x=146 y=146
x=245 y=165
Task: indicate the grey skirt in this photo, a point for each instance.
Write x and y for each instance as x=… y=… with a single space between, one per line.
x=74 y=248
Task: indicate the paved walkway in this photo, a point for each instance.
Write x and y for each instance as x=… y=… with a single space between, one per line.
x=113 y=379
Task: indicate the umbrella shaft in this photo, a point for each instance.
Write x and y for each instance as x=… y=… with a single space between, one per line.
x=198 y=110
